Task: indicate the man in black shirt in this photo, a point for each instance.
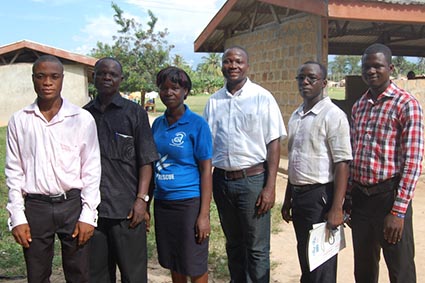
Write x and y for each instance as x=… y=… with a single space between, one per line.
x=127 y=152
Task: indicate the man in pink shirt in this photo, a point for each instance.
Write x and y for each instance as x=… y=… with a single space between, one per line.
x=53 y=176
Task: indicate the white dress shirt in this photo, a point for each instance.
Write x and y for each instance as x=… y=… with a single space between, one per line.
x=242 y=125
x=317 y=140
x=52 y=157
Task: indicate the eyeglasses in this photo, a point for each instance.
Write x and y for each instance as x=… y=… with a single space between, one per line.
x=310 y=80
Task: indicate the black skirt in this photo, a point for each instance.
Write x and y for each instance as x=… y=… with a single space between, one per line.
x=175 y=229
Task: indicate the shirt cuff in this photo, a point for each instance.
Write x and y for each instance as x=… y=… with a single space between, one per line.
x=88 y=216
x=18 y=218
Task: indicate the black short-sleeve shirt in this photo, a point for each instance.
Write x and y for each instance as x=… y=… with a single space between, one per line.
x=126 y=144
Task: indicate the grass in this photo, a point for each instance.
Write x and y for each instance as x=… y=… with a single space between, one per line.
x=12 y=263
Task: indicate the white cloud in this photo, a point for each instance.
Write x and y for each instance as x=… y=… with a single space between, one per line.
x=184 y=19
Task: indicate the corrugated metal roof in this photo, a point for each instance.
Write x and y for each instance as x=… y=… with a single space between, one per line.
x=352 y=25
x=402 y=2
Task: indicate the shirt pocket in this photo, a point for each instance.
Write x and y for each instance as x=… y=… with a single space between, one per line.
x=123 y=148
x=68 y=157
x=248 y=123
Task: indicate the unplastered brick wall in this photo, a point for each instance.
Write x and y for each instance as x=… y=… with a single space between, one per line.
x=275 y=53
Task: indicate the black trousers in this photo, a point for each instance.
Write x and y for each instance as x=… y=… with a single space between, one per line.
x=45 y=220
x=114 y=243
x=309 y=205
x=367 y=219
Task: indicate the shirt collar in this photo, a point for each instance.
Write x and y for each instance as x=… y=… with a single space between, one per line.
x=241 y=91
x=116 y=100
x=185 y=119
x=388 y=92
x=67 y=109
x=317 y=108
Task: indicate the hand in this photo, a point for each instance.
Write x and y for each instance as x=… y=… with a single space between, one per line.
x=22 y=235
x=266 y=200
x=393 y=228
x=137 y=213
x=84 y=231
x=334 y=217
x=203 y=228
x=286 y=212
x=148 y=221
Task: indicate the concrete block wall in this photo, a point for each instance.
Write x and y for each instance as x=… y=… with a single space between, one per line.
x=17 y=91
x=275 y=53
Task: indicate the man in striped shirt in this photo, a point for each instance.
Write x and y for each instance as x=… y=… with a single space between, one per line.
x=387 y=139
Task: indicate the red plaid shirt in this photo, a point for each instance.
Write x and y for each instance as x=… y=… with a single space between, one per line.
x=387 y=139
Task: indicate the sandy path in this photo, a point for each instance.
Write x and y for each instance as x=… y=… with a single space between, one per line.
x=284 y=252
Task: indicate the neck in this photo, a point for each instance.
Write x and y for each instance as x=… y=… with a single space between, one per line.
x=174 y=114
x=234 y=87
x=49 y=108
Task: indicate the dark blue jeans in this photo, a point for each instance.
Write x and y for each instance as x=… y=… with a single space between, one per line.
x=247 y=234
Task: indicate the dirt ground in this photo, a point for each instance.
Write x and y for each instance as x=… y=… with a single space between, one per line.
x=284 y=256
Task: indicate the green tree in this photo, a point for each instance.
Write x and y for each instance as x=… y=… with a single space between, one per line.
x=209 y=77
x=402 y=66
x=344 y=65
x=142 y=52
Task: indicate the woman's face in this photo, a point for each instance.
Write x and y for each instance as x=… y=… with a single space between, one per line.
x=172 y=94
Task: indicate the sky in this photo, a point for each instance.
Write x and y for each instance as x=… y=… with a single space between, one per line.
x=77 y=25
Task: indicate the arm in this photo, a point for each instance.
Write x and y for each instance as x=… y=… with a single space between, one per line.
x=412 y=147
x=287 y=204
x=15 y=179
x=335 y=215
x=138 y=212
x=90 y=177
x=203 y=228
x=267 y=197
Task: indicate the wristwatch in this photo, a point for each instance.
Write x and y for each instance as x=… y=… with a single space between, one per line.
x=144 y=197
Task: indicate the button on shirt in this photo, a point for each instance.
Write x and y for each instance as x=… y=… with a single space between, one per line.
x=126 y=144
x=242 y=125
x=387 y=137
x=52 y=157
x=317 y=140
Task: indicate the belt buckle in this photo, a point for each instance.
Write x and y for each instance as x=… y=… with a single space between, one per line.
x=58 y=198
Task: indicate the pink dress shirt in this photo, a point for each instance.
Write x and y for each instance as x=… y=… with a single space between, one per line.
x=52 y=157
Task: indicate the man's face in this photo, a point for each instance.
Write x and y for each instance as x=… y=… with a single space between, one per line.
x=376 y=71
x=310 y=82
x=235 y=66
x=107 y=77
x=47 y=79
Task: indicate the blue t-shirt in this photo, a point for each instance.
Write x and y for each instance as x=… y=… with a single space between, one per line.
x=180 y=146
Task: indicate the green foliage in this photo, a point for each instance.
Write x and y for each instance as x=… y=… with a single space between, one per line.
x=208 y=77
x=402 y=66
x=11 y=257
x=344 y=65
x=142 y=52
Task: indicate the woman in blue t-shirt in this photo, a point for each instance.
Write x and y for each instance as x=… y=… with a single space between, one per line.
x=183 y=181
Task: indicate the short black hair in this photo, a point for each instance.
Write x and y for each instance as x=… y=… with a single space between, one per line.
x=105 y=59
x=236 y=47
x=46 y=58
x=321 y=66
x=379 y=48
x=176 y=75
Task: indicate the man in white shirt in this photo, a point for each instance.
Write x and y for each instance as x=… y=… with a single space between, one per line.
x=247 y=127
x=319 y=152
x=53 y=176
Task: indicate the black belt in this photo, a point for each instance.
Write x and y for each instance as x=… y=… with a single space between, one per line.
x=55 y=198
x=373 y=189
x=240 y=174
x=309 y=187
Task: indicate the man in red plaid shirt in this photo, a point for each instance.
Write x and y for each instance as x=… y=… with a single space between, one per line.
x=387 y=139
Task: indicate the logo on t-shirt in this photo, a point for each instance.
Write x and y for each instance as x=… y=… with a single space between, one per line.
x=178 y=140
x=160 y=164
